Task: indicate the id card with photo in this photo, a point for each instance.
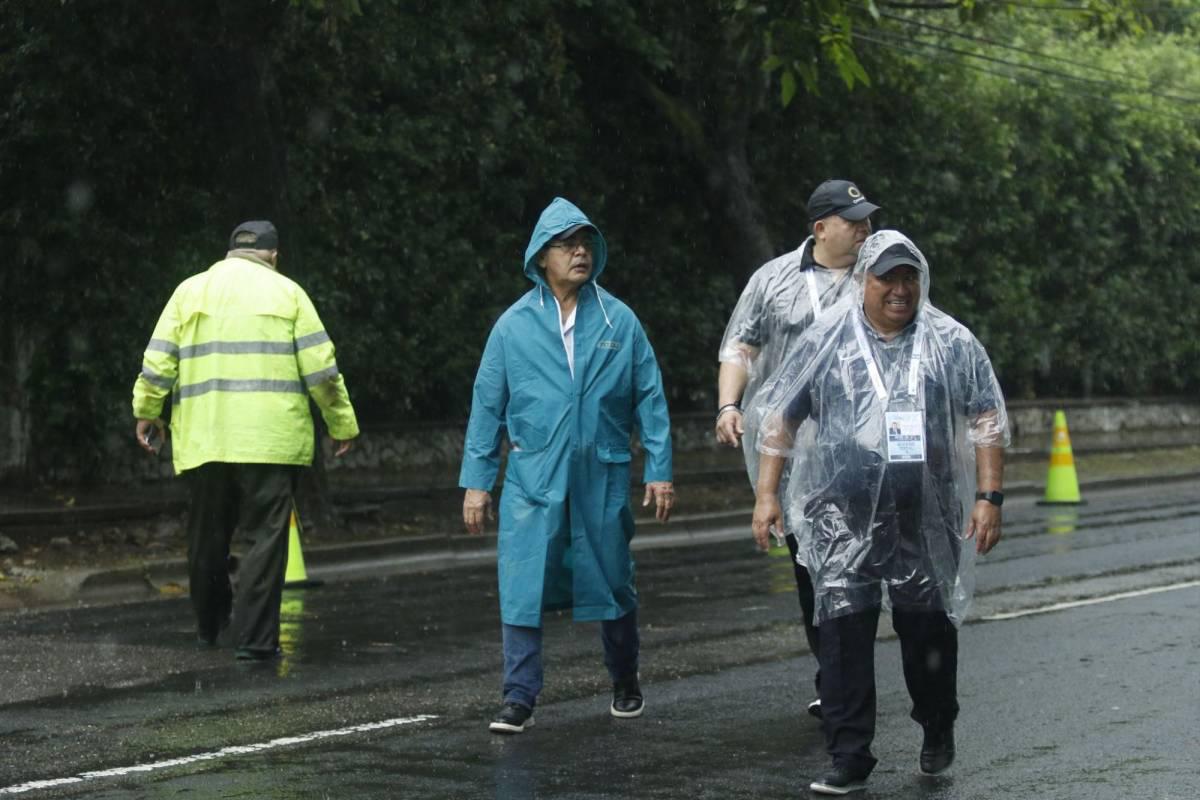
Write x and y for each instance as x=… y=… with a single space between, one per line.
x=905 y=436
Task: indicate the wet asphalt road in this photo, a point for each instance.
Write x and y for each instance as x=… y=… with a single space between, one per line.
x=1094 y=701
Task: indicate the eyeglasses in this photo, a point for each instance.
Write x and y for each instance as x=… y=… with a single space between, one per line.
x=585 y=240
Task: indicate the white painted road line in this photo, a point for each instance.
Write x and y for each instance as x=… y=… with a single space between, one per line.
x=224 y=752
x=1091 y=601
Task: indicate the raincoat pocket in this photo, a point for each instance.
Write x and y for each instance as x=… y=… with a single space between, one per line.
x=526 y=435
x=612 y=455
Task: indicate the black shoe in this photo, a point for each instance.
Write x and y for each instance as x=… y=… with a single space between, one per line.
x=250 y=654
x=814 y=708
x=513 y=718
x=840 y=780
x=627 y=700
x=208 y=638
x=937 y=750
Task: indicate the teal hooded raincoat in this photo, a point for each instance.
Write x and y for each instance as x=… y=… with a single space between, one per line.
x=565 y=522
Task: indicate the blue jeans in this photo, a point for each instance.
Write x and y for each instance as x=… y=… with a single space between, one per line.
x=523 y=656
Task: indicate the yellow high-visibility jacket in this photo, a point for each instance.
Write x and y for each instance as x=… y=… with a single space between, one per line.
x=241 y=349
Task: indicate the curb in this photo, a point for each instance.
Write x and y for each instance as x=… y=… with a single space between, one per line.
x=168 y=578
x=352 y=501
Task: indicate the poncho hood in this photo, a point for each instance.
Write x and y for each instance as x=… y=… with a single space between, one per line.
x=875 y=246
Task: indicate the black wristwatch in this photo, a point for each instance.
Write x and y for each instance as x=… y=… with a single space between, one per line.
x=721 y=411
x=995 y=498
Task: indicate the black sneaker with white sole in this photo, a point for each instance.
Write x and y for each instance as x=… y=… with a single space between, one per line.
x=839 y=781
x=513 y=718
x=627 y=701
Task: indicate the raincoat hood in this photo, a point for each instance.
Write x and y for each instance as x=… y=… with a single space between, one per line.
x=874 y=247
x=557 y=217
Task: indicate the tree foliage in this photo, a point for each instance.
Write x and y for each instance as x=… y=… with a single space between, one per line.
x=405 y=150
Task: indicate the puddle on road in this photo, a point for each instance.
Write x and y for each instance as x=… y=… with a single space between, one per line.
x=1062 y=521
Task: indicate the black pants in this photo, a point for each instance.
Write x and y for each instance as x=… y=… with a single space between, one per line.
x=928 y=640
x=929 y=651
x=256 y=499
x=804 y=588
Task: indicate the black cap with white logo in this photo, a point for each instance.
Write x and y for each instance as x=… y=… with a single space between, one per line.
x=839 y=197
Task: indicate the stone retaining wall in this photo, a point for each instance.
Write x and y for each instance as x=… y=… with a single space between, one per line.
x=440 y=444
x=437 y=446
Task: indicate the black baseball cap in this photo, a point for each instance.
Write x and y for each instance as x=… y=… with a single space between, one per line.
x=562 y=235
x=895 y=256
x=257 y=234
x=839 y=197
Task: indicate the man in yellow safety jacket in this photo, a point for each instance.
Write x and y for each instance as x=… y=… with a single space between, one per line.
x=240 y=348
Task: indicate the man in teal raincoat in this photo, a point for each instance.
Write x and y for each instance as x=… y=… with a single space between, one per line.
x=567 y=371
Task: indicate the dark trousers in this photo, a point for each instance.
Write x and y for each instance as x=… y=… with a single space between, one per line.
x=256 y=499
x=804 y=588
x=929 y=651
x=523 y=675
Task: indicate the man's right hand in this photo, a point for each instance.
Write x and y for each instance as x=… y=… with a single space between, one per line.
x=476 y=505
x=729 y=428
x=768 y=518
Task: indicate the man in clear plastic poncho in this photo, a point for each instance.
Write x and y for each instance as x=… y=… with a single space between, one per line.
x=567 y=371
x=782 y=298
x=895 y=425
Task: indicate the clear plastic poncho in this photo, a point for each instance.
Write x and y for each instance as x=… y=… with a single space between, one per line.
x=881 y=487
x=783 y=297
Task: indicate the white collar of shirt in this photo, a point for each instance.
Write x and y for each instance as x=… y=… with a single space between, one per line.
x=567 y=329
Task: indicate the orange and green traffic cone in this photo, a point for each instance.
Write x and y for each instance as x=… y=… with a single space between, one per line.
x=1062 y=484
x=296 y=576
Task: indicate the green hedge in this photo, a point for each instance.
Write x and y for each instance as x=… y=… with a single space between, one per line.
x=405 y=154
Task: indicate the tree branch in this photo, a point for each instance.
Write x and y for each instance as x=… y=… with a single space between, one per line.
x=922 y=6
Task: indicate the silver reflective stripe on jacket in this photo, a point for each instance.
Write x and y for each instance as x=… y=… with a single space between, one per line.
x=312 y=340
x=163 y=346
x=228 y=385
x=237 y=348
x=156 y=379
x=316 y=378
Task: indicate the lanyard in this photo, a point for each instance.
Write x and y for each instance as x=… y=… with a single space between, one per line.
x=812 y=293
x=814 y=296
x=914 y=364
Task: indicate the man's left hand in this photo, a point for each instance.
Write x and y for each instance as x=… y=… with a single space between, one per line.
x=984 y=526
x=663 y=493
x=149 y=434
x=341 y=446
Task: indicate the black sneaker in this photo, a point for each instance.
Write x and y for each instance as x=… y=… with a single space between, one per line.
x=627 y=701
x=814 y=708
x=937 y=750
x=208 y=637
x=839 y=780
x=513 y=718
